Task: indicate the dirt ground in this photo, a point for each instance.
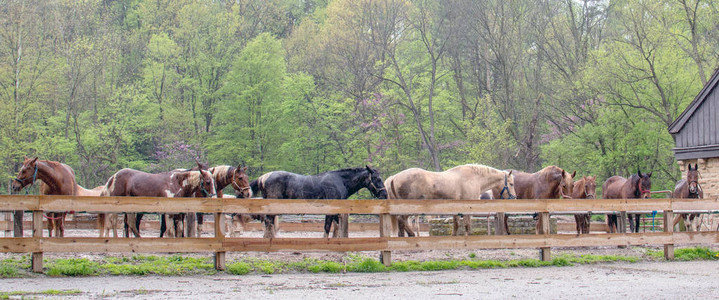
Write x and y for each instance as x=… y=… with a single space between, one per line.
x=647 y=279
x=642 y=280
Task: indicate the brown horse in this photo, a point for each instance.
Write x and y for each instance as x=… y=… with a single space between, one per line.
x=55 y=179
x=616 y=187
x=688 y=189
x=585 y=188
x=551 y=182
x=465 y=182
x=129 y=182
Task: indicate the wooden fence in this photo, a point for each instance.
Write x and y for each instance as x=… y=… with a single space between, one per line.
x=39 y=204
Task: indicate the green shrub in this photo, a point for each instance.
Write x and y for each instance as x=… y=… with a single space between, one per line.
x=239 y=268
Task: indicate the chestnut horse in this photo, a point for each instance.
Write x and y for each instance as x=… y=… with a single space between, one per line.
x=56 y=179
x=225 y=175
x=616 y=187
x=465 y=182
x=129 y=182
x=338 y=184
x=585 y=188
x=551 y=182
x=688 y=189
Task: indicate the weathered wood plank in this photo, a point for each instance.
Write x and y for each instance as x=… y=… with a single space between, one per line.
x=103 y=245
x=305 y=244
x=374 y=206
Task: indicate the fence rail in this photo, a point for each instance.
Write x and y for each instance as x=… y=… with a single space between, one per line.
x=39 y=204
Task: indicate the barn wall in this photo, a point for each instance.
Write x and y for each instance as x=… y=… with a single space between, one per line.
x=709 y=174
x=701 y=128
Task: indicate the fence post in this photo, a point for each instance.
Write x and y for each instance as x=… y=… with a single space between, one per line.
x=385 y=230
x=499 y=228
x=17 y=223
x=220 y=237
x=37 y=233
x=343 y=225
x=544 y=252
x=668 y=227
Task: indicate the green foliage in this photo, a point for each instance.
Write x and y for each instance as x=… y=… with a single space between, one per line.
x=72 y=267
x=239 y=268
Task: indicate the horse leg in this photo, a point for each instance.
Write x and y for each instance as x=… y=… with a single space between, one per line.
x=578 y=223
x=336 y=231
x=587 y=223
x=113 y=224
x=200 y=220
x=612 y=223
x=403 y=225
x=50 y=224
x=455 y=225
x=269 y=221
x=467 y=224
x=61 y=227
x=133 y=222
x=101 y=222
x=328 y=225
x=506 y=224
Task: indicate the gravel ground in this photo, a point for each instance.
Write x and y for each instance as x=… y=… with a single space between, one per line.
x=643 y=280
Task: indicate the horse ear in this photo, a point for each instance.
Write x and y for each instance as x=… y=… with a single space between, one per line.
x=583 y=177
x=199 y=165
x=574 y=173
x=369 y=169
x=510 y=172
x=639 y=172
x=34 y=160
x=650 y=174
x=24 y=157
x=244 y=169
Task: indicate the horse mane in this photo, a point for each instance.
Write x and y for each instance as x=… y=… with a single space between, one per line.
x=220 y=172
x=193 y=177
x=481 y=169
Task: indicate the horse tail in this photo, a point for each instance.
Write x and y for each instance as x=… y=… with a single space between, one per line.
x=392 y=190
x=255 y=186
x=109 y=187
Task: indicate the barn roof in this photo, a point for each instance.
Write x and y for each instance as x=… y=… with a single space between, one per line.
x=679 y=123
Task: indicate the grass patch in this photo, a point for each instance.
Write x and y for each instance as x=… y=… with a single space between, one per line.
x=7 y=295
x=14 y=267
x=686 y=254
x=239 y=268
x=696 y=253
x=144 y=265
x=72 y=267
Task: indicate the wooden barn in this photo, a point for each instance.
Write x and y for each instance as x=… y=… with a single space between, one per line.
x=696 y=133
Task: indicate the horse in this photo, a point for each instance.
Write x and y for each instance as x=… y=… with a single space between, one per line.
x=552 y=182
x=134 y=183
x=585 y=188
x=616 y=187
x=55 y=179
x=464 y=182
x=337 y=184
x=688 y=189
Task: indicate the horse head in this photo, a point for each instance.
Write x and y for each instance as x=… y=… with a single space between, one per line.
x=590 y=187
x=241 y=182
x=375 y=184
x=567 y=184
x=206 y=183
x=27 y=174
x=508 y=186
x=644 y=184
x=693 y=179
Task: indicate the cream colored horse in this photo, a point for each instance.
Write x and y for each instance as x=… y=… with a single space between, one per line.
x=465 y=182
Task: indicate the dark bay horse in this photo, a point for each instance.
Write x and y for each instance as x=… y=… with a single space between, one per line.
x=688 y=188
x=338 y=184
x=465 y=182
x=129 y=182
x=584 y=188
x=551 y=182
x=55 y=179
x=616 y=187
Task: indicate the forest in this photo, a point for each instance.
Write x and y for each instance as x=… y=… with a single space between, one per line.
x=309 y=86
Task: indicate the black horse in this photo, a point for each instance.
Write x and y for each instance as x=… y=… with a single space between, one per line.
x=338 y=184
